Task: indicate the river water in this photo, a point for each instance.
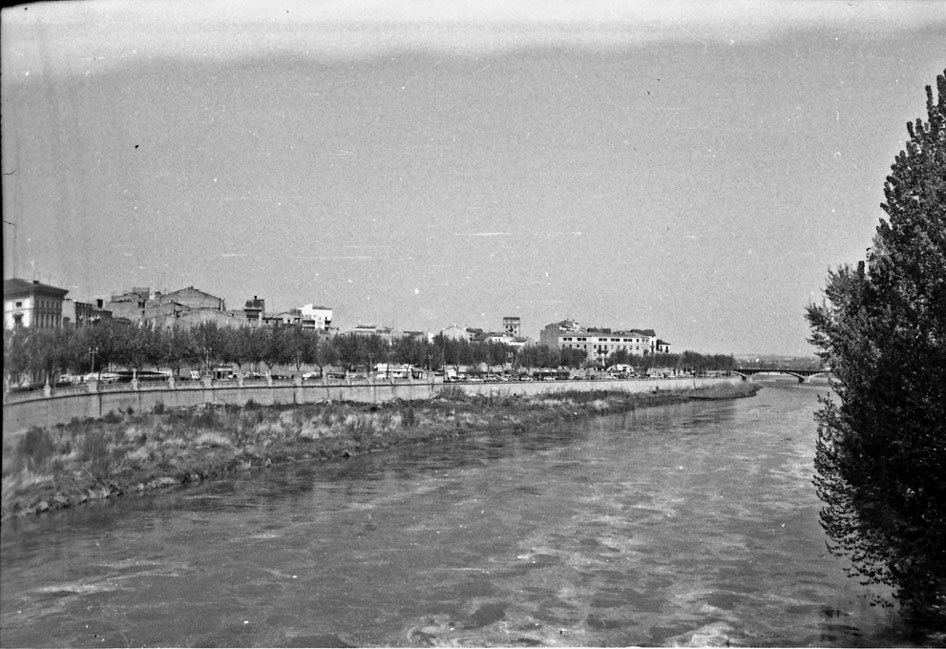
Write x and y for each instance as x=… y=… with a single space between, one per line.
x=686 y=524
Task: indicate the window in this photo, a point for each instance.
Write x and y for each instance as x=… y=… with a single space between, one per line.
x=19 y=304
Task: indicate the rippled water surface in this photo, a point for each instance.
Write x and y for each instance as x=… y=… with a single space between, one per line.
x=694 y=523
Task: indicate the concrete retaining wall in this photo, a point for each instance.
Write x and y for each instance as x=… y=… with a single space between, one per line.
x=61 y=407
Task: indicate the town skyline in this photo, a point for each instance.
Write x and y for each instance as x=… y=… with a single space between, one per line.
x=696 y=171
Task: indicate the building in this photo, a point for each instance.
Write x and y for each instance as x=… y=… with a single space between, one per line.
x=549 y=336
x=130 y=305
x=141 y=305
x=388 y=334
x=193 y=298
x=419 y=336
x=455 y=332
x=79 y=314
x=254 y=310
x=597 y=343
x=196 y=317
x=512 y=325
x=32 y=304
x=320 y=317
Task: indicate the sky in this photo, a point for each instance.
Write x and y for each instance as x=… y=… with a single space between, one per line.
x=695 y=168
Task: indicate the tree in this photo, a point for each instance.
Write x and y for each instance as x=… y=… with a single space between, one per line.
x=881 y=447
x=142 y=346
x=325 y=353
x=15 y=354
x=302 y=346
x=175 y=347
x=276 y=346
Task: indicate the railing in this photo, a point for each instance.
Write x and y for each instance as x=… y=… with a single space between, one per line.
x=101 y=387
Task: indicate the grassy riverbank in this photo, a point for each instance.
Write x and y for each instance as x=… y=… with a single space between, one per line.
x=53 y=468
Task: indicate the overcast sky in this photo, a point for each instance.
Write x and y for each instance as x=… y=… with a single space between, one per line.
x=691 y=167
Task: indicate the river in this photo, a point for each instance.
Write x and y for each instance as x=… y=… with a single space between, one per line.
x=694 y=523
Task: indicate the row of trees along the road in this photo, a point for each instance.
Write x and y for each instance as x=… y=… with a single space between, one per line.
x=881 y=451
x=46 y=354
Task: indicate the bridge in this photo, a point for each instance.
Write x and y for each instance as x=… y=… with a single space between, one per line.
x=803 y=376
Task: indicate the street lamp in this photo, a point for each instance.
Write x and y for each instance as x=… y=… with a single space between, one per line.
x=92 y=351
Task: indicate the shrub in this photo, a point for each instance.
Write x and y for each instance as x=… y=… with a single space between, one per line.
x=453 y=393
x=36 y=446
x=112 y=417
x=93 y=451
x=408 y=418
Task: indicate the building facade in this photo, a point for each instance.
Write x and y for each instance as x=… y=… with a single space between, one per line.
x=79 y=314
x=320 y=317
x=512 y=325
x=32 y=304
x=254 y=310
x=185 y=307
x=597 y=343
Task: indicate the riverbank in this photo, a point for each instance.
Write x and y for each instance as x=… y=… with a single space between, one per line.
x=63 y=466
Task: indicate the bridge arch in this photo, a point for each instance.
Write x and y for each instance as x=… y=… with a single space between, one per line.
x=803 y=376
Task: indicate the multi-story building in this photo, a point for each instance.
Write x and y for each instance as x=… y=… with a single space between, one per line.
x=79 y=314
x=254 y=310
x=549 y=336
x=512 y=326
x=185 y=307
x=597 y=343
x=32 y=304
x=131 y=305
x=319 y=316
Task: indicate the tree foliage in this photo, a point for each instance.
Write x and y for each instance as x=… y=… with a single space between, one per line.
x=881 y=448
x=34 y=356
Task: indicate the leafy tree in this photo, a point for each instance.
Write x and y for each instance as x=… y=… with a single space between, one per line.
x=175 y=347
x=277 y=349
x=302 y=345
x=142 y=346
x=108 y=341
x=238 y=345
x=75 y=350
x=208 y=344
x=881 y=447
x=573 y=358
x=325 y=353
x=347 y=347
x=15 y=354
x=496 y=354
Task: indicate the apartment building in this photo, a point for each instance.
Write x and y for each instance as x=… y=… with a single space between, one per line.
x=32 y=304
x=598 y=343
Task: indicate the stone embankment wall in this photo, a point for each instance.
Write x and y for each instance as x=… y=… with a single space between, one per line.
x=23 y=411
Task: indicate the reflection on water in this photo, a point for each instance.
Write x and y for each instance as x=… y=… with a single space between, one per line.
x=687 y=524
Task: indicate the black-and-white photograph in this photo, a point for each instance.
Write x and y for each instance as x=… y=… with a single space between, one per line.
x=377 y=323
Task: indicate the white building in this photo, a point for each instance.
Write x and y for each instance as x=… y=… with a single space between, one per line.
x=599 y=343
x=31 y=304
x=320 y=315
